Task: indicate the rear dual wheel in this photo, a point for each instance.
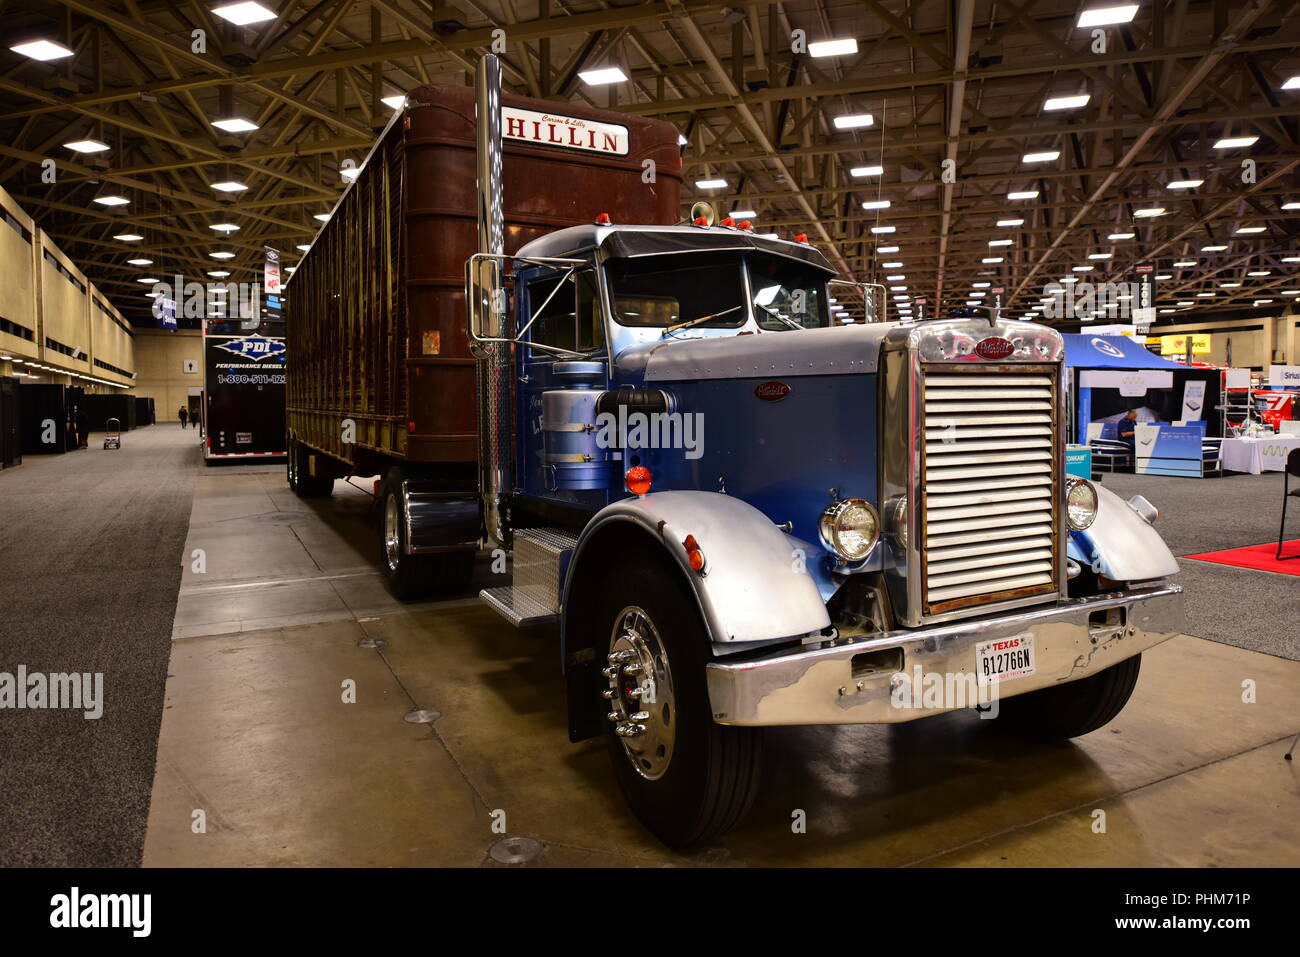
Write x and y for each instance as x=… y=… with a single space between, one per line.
x=412 y=577
x=304 y=484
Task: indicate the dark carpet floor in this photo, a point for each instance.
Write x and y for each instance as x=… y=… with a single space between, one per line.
x=1237 y=606
x=88 y=581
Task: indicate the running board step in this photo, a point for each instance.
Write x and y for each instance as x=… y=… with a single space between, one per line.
x=541 y=559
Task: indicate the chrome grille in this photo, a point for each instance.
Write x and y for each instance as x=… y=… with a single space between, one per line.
x=989 y=484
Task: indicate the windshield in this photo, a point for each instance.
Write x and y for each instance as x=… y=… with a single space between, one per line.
x=681 y=288
x=787 y=294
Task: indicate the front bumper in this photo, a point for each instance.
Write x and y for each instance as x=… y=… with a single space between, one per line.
x=856 y=681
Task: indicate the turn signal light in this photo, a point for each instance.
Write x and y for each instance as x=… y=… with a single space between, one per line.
x=637 y=479
x=410 y=426
x=603 y=219
x=693 y=553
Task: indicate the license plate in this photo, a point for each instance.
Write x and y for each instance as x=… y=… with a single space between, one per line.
x=1004 y=659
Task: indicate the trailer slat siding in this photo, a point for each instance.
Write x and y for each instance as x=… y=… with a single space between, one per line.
x=376 y=312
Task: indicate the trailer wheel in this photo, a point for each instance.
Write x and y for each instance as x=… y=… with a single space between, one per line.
x=413 y=577
x=1073 y=709
x=301 y=480
x=685 y=777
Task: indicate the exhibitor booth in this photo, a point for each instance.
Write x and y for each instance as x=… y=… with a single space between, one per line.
x=1135 y=409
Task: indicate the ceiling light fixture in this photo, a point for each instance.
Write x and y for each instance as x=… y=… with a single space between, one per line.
x=833 y=47
x=86 y=146
x=1106 y=16
x=242 y=14
x=42 y=50
x=1044 y=157
x=1023 y=194
x=710 y=184
x=867 y=171
x=1235 y=142
x=228 y=186
x=853 y=121
x=603 y=76
x=235 y=124
x=1067 y=102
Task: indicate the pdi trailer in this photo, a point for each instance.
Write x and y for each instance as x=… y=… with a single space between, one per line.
x=383 y=381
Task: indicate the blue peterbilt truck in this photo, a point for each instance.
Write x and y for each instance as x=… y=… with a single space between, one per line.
x=743 y=514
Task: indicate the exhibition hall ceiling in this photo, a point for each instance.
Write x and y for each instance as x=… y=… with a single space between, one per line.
x=944 y=148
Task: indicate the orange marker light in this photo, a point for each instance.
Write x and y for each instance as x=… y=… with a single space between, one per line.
x=638 y=480
x=727 y=222
x=693 y=553
x=746 y=225
x=603 y=219
x=802 y=238
x=701 y=221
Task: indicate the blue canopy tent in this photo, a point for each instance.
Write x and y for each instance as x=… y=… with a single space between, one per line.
x=1162 y=395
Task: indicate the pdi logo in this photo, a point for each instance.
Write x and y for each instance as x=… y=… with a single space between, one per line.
x=256 y=348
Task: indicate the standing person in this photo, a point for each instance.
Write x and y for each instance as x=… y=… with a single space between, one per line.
x=184 y=415
x=1127 y=428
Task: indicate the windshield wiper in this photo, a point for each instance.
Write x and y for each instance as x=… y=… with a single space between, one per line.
x=776 y=315
x=695 y=322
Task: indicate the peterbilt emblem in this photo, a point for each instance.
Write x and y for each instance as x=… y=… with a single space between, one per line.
x=771 y=391
x=994 y=347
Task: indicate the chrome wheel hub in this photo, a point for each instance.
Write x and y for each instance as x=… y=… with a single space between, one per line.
x=640 y=693
x=392 y=542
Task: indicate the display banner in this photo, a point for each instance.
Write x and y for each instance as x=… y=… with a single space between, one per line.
x=1078 y=461
x=1130 y=382
x=1193 y=400
x=1167 y=449
x=165 y=310
x=1284 y=375
x=1177 y=345
x=1144 y=309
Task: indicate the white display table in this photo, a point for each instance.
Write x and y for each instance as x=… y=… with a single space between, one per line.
x=1255 y=455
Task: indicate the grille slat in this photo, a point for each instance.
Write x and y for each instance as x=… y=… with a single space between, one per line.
x=989 y=522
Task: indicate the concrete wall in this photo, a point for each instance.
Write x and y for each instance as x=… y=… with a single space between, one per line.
x=18 y=289
x=45 y=296
x=160 y=368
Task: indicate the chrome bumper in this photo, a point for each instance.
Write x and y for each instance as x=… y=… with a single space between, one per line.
x=854 y=681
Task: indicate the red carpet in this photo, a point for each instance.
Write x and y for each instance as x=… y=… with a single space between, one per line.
x=1262 y=557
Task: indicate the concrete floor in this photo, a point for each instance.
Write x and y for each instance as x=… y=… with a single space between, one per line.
x=256 y=735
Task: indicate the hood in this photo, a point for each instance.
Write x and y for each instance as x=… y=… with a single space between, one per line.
x=838 y=350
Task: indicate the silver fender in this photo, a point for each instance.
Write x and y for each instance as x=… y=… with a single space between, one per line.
x=1121 y=544
x=753 y=588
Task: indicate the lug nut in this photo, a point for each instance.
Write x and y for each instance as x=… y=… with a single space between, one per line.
x=610 y=672
x=616 y=656
x=629 y=730
x=639 y=716
x=632 y=669
x=635 y=694
x=614 y=717
x=609 y=694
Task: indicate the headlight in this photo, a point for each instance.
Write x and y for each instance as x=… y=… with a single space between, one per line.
x=1080 y=503
x=850 y=528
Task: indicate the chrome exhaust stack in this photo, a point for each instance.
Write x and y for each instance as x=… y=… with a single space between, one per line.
x=494 y=360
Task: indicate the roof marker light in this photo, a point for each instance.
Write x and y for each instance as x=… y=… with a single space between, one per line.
x=603 y=219
x=638 y=479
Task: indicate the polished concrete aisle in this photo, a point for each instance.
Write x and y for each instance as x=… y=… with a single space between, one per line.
x=258 y=737
x=88 y=580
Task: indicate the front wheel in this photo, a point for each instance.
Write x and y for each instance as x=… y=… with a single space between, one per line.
x=1073 y=709
x=685 y=777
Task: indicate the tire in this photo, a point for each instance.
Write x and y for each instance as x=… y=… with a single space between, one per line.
x=413 y=577
x=1073 y=709
x=301 y=480
x=685 y=777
